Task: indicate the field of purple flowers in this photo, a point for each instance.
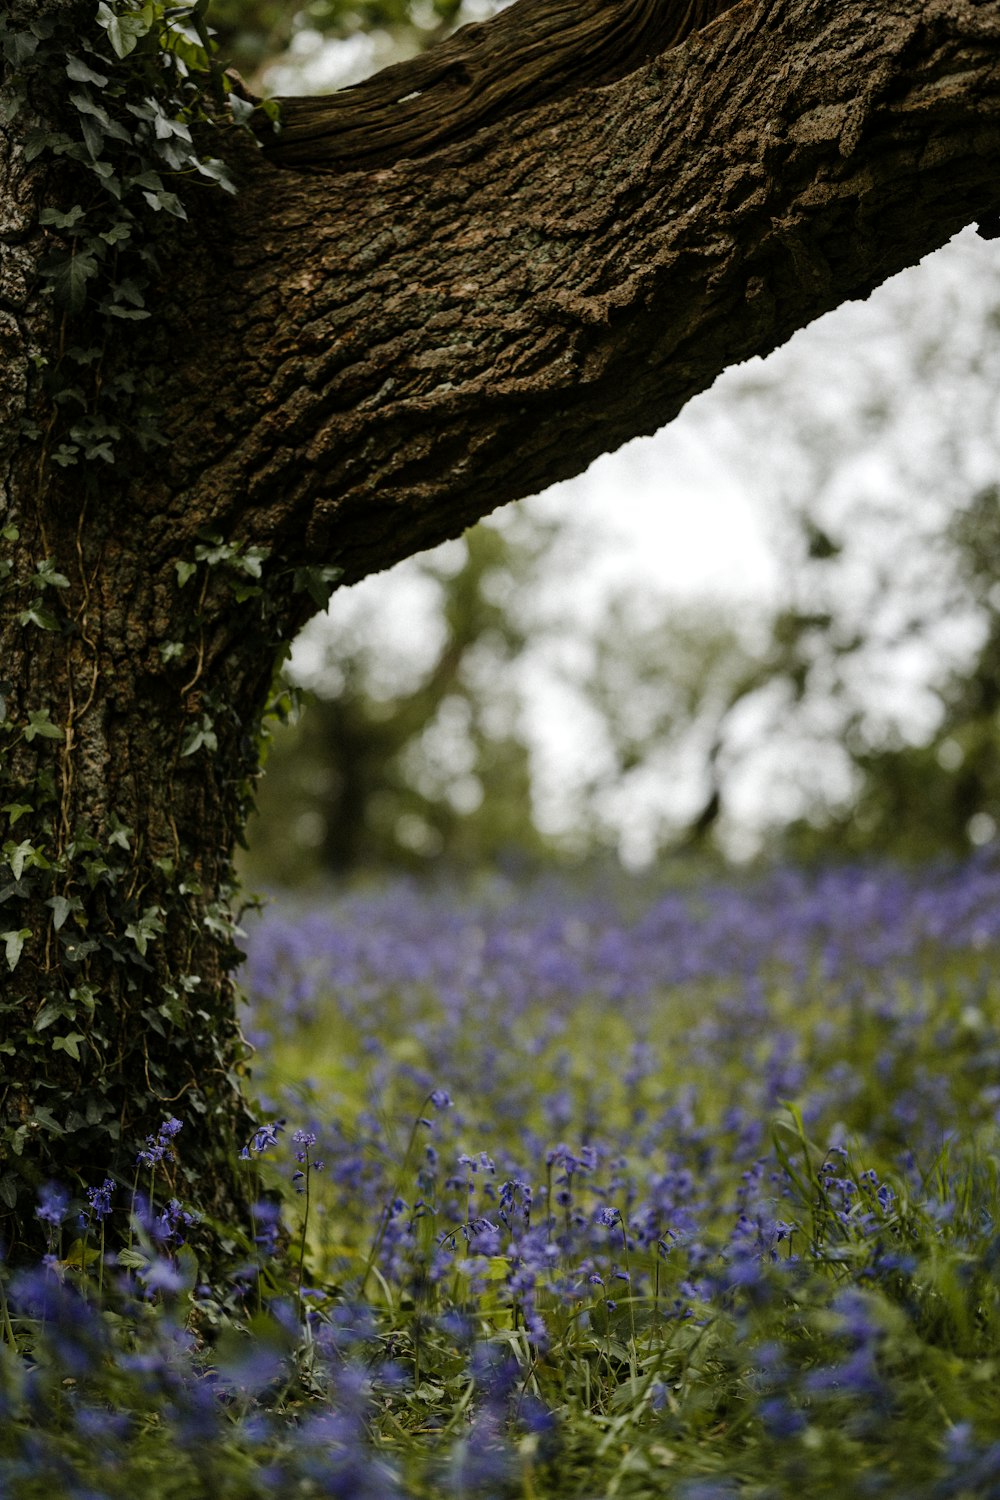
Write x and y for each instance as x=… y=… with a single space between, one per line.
x=588 y=1190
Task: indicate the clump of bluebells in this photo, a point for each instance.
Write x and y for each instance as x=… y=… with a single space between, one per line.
x=578 y=1193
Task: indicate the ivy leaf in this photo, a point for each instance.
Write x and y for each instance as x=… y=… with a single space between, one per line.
x=185 y=570
x=241 y=109
x=88 y=106
x=317 y=581
x=69 y=275
x=117 y=233
x=80 y=72
x=151 y=180
x=218 y=172
x=120 y=833
x=165 y=127
x=47 y=576
x=23 y=855
x=148 y=927
x=18 y=46
x=125 y=31
x=37 y=140
x=42 y=619
x=61 y=908
x=13 y=943
x=199 y=735
x=40 y=726
x=93 y=135
x=168 y=202
x=70 y=1044
x=53 y=218
x=15 y=810
x=45 y=1117
x=49 y=1012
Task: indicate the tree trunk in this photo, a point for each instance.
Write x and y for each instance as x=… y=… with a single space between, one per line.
x=348 y=366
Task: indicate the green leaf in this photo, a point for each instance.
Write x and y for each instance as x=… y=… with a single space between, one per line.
x=93 y=135
x=40 y=726
x=23 y=856
x=120 y=834
x=317 y=581
x=41 y=618
x=70 y=1044
x=8 y=1189
x=13 y=943
x=117 y=233
x=16 y=810
x=46 y=575
x=46 y=1118
x=169 y=202
x=88 y=106
x=61 y=908
x=69 y=275
x=18 y=46
x=80 y=72
x=241 y=109
x=54 y=218
x=125 y=31
x=200 y=735
x=148 y=927
x=218 y=172
x=50 y=1011
x=185 y=570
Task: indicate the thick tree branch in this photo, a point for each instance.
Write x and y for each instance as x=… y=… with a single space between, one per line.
x=535 y=51
x=404 y=349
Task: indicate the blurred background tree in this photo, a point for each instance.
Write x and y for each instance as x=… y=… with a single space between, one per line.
x=410 y=754
x=453 y=713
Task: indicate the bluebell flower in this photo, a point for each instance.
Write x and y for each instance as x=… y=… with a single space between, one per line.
x=100 y=1199
x=160 y=1147
x=263 y=1137
x=53 y=1204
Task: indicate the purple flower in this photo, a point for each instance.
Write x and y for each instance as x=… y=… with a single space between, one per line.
x=267 y=1225
x=263 y=1137
x=53 y=1202
x=159 y=1147
x=161 y=1275
x=100 y=1199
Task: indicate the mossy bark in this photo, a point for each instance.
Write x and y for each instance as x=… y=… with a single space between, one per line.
x=348 y=366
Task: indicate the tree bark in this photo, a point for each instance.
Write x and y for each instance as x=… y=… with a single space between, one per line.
x=352 y=365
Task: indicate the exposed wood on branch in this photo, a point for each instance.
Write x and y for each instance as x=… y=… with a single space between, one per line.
x=534 y=51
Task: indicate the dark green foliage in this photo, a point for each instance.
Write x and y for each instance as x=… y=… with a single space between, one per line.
x=108 y=99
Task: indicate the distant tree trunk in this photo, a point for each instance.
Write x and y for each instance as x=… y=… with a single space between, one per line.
x=347 y=367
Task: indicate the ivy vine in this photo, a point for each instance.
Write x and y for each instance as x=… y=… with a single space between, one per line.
x=117 y=102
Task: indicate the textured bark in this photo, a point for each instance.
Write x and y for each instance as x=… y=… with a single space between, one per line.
x=402 y=350
x=535 y=51
x=355 y=364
